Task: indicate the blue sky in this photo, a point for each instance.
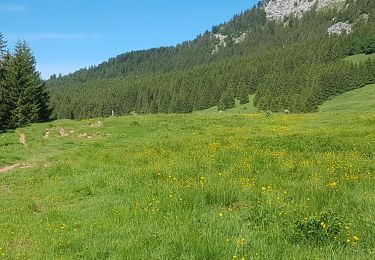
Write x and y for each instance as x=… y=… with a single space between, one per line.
x=66 y=35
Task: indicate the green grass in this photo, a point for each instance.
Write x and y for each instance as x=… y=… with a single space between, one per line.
x=356 y=101
x=202 y=186
x=360 y=58
x=248 y=108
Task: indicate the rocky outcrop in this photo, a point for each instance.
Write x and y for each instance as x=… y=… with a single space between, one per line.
x=240 y=39
x=278 y=9
x=222 y=42
x=224 y=39
x=340 y=28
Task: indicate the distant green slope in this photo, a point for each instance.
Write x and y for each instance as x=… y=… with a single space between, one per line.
x=248 y=108
x=359 y=100
x=360 y=58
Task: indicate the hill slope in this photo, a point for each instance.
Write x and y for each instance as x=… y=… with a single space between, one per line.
x=356 y=101
x=359 y=58
x=292 y=65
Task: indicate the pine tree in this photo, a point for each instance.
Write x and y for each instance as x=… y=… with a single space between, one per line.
x=242 y=92
x=4 y=109
x=25 y=91
x=227 y=100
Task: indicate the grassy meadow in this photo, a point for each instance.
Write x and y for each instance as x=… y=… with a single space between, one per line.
x=358 y=58
x=360 y=101
x=199 y=186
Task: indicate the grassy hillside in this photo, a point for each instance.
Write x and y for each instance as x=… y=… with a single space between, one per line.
x=360 y=58
x=359 y=101
x=191 y=187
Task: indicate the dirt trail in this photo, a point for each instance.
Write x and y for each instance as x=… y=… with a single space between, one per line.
x=8 y=168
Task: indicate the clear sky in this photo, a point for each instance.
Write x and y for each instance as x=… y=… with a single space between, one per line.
x=66 y=35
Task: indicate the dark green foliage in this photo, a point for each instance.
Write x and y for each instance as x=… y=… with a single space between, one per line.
x=320 y=230
x=24 y=95
x=368 y=45
x=4 y=105
x=364 y=44
x=293 y=65
x=243 y=92
x=227 y=100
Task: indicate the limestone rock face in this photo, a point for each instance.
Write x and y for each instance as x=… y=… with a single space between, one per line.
x=278 y=9
x=222 y=42
x=240 y=39
x=340 y=28
x=223 y=38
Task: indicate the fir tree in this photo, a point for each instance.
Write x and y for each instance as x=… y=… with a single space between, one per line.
x=4 y=109
x=24 y=90
x=242 y=95
x=227 y=100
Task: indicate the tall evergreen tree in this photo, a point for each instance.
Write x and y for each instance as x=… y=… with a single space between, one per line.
x=24 y=90
x=4 y=110
x=227 y=100
x=242 y=92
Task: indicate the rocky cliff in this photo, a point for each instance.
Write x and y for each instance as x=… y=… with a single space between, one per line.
x=278 y=9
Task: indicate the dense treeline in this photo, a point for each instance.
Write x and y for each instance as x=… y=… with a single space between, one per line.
x=294 y=65
x=23 y=95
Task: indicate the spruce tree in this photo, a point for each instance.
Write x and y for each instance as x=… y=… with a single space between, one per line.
x=242 y=92
x=25 y=90
x=4 y=109
x=227 y=100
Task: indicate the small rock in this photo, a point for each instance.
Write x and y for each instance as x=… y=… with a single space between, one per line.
x=96 y=124
x=22 y=139
x=46 y=134
x=62 y=132
x=84 y=135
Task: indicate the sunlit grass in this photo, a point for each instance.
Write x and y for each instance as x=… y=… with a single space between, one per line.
x=358 y=58
x=192 y=187
x=356 y=101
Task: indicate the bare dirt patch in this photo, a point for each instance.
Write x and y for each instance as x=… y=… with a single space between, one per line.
x=89 y=136
x=62 y=132
x=46 y=134
x=8 y=168
x=22 y=139
x=4 y=169
x=96 y=124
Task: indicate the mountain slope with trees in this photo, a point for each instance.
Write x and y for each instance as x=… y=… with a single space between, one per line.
x=294 y=65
